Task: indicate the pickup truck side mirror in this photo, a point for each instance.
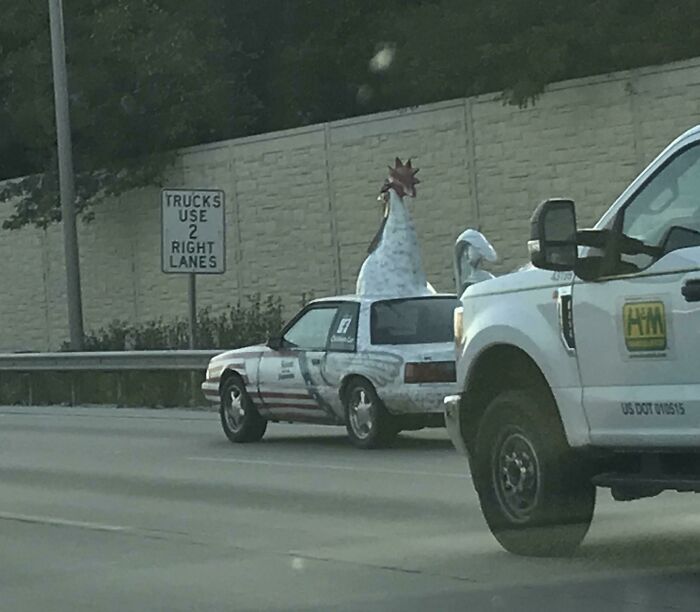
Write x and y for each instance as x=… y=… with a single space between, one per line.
x=552 y=244
x=275 y=343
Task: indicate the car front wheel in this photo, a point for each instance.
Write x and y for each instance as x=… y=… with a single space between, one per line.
x=239 y=418
x=535 y=492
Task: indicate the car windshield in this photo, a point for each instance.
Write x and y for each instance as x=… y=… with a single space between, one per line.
x=413 y=321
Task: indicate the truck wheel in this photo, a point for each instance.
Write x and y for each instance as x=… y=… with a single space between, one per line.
x=239 y=417
x=368 y=423
x=535 y=494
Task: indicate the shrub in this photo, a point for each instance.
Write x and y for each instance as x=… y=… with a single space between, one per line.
x=233 y=327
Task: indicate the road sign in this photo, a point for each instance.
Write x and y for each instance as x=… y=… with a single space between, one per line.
x=193 y=231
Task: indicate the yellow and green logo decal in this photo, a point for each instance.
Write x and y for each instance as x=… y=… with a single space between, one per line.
x=644 y=326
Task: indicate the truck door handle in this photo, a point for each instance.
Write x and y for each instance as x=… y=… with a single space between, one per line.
x=691 y=290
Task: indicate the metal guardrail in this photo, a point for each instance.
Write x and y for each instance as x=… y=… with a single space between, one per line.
x=108 y=360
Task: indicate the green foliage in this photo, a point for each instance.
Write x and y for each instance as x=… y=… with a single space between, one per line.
x=239 y=326
x=148 y=76
x=145 y=77
x=446 y=49
x=234 y=327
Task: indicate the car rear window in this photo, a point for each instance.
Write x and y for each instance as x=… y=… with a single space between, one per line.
x=413 y=320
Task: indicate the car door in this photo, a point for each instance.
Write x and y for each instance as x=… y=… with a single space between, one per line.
x=288 y=378
x=341 y=357
x=637 y=332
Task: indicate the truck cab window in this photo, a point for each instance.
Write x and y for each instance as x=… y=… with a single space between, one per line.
x=665 y=213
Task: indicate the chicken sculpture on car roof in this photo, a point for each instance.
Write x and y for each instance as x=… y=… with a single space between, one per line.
x=394 y=266
x=378 y=361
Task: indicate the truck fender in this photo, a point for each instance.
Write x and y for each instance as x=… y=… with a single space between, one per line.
x=538 y=343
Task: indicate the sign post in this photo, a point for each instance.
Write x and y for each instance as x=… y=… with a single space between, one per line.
x=192 y=301
x=193 y=239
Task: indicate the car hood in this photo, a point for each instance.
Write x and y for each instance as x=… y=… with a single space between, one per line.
x=246 y=352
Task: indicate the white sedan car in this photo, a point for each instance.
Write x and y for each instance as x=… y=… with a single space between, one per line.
x=375 y=365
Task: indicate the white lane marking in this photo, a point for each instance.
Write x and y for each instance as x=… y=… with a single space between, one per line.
x=59 y=522
x=324 y=466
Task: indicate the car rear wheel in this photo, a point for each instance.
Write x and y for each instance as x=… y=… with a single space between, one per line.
x=535 y=492
x=239 y=418
x=368 y=423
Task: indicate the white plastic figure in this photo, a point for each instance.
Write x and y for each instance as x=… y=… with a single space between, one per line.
x=393 y=266
x=471 y=249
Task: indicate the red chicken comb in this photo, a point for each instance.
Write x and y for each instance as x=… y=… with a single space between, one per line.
x=402 y=178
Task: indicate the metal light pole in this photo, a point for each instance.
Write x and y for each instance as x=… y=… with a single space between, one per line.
x=65 y=175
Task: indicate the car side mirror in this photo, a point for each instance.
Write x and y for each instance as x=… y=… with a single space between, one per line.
x=552 y=244
x=275 y=343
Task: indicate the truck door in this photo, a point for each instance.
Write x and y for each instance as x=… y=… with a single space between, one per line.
x=637 y=333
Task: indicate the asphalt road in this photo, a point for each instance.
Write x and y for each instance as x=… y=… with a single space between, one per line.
x=114 y=509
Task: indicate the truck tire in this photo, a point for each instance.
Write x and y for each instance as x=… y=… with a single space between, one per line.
x=367 y=421
x=535 y=493
x=239 y=418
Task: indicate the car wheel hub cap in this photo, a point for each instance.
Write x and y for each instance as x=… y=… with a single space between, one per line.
x=361 y=415
x=517 y=477
x=235 y=412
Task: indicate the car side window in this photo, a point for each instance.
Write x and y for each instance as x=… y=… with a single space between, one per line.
x=310 y=331
x=665 y=213
x=343 y=336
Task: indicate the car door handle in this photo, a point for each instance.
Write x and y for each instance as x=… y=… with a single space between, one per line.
x=315 y=362
x=691 y=290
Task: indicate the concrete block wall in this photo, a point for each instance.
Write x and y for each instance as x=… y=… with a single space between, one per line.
x=301 y=204
x=23 y=291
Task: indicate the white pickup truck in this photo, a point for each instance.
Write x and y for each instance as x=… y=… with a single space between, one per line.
x=578 y=371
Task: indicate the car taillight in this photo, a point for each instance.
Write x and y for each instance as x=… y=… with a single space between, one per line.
x=458 y=324
x=430 y=372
